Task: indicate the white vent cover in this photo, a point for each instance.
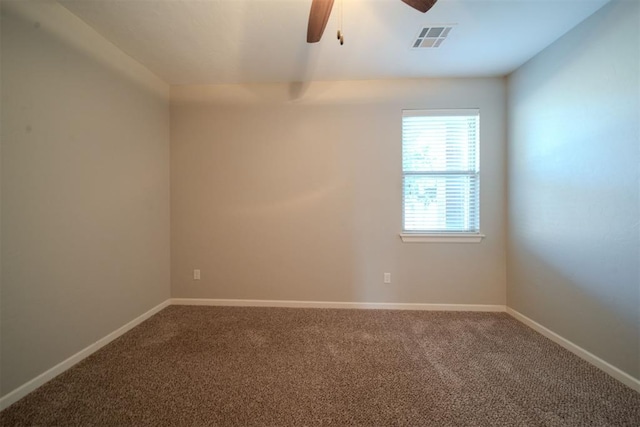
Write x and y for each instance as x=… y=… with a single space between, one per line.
x=431 y=37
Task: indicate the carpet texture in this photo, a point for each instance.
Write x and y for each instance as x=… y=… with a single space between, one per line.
x=239 y=366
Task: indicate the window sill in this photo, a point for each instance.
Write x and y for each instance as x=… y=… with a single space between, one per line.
x=441 y=237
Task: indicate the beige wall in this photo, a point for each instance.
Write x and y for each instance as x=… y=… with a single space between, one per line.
x=293 y=192
x=574 y=187
x=85 y=189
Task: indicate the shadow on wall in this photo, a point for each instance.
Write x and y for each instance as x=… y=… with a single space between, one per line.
x=300 y=70
x=271 y=199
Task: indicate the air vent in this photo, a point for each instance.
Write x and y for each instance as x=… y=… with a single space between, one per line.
x=431 y=37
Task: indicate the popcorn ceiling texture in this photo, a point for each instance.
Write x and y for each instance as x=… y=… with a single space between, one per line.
x=280 y=366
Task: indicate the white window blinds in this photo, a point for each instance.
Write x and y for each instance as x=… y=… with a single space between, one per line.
x=441 y=181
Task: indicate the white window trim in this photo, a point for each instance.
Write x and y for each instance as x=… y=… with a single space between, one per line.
x=435 y=237
x=442 y=237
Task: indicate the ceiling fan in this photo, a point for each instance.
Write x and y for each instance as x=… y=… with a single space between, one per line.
x=321 y=9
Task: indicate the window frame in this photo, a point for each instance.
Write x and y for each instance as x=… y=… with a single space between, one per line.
x=424 y=236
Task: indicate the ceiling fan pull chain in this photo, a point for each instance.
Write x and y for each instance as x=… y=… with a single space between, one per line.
x=340 y=33
x=321 y=9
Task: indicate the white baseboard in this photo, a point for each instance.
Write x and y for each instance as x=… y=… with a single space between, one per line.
x=616 y=373
x=48 y=375
x=331 y=304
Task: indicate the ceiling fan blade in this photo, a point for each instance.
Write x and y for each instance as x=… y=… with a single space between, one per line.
x=421 y=5
x=318 y=17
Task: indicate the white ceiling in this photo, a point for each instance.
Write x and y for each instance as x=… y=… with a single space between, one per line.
x=241 y=41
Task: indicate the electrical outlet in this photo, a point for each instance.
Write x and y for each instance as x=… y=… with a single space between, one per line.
x=387 y=277
x=196 y=274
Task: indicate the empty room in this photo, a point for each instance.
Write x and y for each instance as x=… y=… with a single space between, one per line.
x=320 y=212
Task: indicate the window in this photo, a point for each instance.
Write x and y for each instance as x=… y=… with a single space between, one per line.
x=440 y=175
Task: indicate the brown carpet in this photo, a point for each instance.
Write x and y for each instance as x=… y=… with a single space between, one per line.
x=231 y=366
